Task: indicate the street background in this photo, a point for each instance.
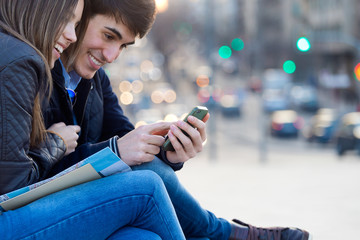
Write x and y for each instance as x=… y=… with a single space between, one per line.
x=300 y=185
x=247 y=60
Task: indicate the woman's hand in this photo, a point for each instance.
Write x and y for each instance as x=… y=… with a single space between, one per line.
x=69 y=133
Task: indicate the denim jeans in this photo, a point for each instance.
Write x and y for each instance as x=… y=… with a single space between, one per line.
x=132 y=205
x=195 y=221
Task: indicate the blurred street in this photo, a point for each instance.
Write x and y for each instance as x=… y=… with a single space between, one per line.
x=295 y=184
x=246 y=60
x=315 y=192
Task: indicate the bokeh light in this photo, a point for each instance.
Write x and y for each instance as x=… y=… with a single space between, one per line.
x=203 y=95
x=140 y=123
x=202 y=81
x=237 y=44
x=170 y=117
x=155 y=74
x=157 y=97
x=228 y=100
x=146 y=66
x=162 y=5
x=217 y=94
x=170 y=96
x=137 y=86
x=303 y=44
x=289 y=66
x=225 y=52
x=125 y=86
x=126 y=98
x=357 y=71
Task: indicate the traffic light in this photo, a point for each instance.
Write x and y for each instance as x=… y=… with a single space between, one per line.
x=303 y=44
x=357 y=71
x=225 y=52
x=289 y=67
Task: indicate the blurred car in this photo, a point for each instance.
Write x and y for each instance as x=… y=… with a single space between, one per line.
x=322 y=126
x=274 y=100
x=255 y=84
x=348 y=134
x=276 y=79
x=304 y=97
x=231 y=103
x=276 y=88
x=285 y=123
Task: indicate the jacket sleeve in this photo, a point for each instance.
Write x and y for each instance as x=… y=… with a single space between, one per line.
x=20 y=166
x=115 y=122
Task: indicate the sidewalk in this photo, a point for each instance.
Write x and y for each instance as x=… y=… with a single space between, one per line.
x=318 y=193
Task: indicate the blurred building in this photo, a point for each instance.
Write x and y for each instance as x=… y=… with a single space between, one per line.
x=189 y=33
x=332 y=28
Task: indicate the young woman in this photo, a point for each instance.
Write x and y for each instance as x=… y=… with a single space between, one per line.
x=33 y=34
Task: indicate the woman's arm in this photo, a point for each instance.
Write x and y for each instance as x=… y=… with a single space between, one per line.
x=20 y=166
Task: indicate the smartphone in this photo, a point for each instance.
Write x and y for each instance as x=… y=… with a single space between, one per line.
x=198 y=112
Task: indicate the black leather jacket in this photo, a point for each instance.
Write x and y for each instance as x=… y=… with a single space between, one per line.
x=21 y=71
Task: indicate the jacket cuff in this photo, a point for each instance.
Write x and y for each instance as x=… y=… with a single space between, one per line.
x=56 y=145
x=113 y=146
x=58 y=139
x=174 y=166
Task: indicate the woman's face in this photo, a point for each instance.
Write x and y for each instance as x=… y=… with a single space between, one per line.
x=68 y=35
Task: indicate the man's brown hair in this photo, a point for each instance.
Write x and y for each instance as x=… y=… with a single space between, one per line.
x=137 y=15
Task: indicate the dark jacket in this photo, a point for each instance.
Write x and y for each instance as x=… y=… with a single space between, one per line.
x=21 y=71
x=97 y=112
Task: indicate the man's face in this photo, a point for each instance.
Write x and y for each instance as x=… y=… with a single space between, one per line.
x=103 y=42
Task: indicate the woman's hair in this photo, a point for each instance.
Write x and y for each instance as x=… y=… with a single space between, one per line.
x=38 y=23
x=137 y=15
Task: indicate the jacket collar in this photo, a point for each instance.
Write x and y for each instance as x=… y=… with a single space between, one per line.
x=57 y=74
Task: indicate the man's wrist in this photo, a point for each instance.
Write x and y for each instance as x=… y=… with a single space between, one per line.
x=175 y=166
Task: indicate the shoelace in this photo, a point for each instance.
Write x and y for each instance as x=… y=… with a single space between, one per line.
x=259 y=233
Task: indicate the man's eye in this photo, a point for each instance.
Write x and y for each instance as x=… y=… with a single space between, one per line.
x=109 y=37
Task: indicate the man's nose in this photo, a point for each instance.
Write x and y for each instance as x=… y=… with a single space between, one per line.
x=111 y=54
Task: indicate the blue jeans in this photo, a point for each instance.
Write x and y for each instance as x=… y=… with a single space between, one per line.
x=194 y=220
x=132 y=205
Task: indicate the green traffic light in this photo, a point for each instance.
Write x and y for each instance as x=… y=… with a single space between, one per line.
x=303 y=44
x=225 y=52
x=289 y=66
x=237 y=44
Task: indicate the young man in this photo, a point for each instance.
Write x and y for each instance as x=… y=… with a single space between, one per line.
x=112 y=26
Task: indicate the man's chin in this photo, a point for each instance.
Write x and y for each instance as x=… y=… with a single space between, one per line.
x=91 y=73
x=85 y=74
x=88 y=76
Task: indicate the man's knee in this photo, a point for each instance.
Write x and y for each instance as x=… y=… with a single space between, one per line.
x=166 y=173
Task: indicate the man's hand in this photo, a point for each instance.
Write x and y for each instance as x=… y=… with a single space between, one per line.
x=143 y=143
x=187 y=147
x=68 y=134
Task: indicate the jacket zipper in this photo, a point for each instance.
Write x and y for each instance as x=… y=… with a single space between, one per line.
x=87 y=97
